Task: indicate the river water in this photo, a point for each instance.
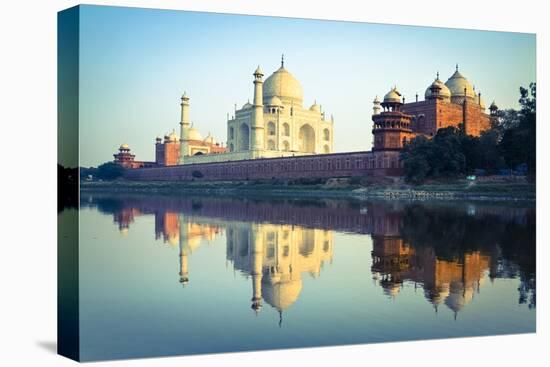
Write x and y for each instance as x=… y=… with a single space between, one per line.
x=163 y=275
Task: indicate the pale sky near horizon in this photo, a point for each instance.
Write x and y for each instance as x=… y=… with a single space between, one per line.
x=135 y=64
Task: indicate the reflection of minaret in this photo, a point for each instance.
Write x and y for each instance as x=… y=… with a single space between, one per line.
x=190 y=238
x=256 y=257
x=184 y=272
x=184 y=252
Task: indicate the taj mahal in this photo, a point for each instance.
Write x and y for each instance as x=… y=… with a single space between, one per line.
x=276 y=136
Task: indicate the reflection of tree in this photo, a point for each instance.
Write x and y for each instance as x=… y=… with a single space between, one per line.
x=452 y=232
x=67 y=188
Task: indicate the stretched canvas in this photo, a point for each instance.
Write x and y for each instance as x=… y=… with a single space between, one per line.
x=239 y=183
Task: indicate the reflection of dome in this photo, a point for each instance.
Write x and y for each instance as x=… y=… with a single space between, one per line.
x=194 y=134
x=174 y=240
x=392 y=290
x=283 y=85
x=443 y=90
x=393 y=96
x=456 y=299
x=457 y=83
x=437 y=295
x=283 y=294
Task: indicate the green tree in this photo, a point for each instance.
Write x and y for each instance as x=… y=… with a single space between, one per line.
x=518 y=144
x=109 y=171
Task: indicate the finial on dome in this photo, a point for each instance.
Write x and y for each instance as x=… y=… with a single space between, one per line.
x=282 y=60
x=437 y=74
x=457 y=66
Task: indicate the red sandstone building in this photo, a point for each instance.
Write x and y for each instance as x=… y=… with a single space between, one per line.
x=127 y=159
x=454 y=103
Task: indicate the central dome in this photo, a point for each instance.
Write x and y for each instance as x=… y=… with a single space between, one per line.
x=456 y=85
x=282 y=84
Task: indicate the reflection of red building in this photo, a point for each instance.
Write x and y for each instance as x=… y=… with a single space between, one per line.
x=167 y=224
x=125 y=217
x=127 y=159
x=453 y=282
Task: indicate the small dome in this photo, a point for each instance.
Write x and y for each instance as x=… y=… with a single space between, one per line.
x=124 y=146
x=283 y=85
x=376 y=100
x=209 y=139
x=274 y=101
x=258 y=71
x=443 y=90
x=246 y=105
x=493 y=106
x=173 y=136
x=481 y=103
x=457 y=83
x=315 y=107
x=393 y=96
x=194 y=134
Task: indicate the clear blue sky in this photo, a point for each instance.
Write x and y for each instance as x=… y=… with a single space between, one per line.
x=136 y=63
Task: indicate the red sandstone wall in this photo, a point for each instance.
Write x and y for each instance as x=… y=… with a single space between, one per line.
x=439 y=114
x=171 y=153
x=315 y=166
x=427 y=124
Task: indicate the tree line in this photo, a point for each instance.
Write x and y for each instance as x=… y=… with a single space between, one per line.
x=510 y=144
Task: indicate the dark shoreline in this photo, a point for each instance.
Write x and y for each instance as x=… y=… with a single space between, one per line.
x=501 y=191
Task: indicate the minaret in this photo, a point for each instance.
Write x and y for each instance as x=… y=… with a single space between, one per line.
x=184 y=127
x=257 y=125
x=256 y=258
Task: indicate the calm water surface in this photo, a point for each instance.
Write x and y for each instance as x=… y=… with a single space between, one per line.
x=164 y=275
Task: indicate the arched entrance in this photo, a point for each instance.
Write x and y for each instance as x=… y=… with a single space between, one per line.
x=244 y=137
x=306 y=137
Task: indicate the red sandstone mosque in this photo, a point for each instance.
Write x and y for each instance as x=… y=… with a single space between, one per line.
x=296 y=142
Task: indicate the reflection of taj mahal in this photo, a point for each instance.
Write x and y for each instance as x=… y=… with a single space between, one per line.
x=276 y=256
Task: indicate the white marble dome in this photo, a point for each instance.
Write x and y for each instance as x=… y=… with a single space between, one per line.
x=392 y=96
x=444 y=91
x=456 y=84
x=282 y=84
